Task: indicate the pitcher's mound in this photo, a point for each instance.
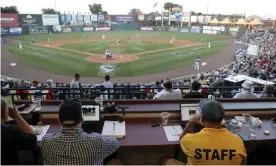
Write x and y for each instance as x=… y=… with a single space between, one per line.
x=116 y=59
x=118 y=45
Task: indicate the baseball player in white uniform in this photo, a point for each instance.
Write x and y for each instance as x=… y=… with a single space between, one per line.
x=197 y=63
x=84 y=35
x=20 y=45
x=49 y=41
x=172 y=40
x=103 y=37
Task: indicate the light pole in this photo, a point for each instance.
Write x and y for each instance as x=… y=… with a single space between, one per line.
x=56 y=6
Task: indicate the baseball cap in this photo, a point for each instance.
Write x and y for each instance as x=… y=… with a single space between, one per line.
x=70 y=112
x=211 y=110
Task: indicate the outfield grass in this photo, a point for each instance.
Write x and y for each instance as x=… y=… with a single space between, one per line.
x=127 y=47
x=66 y=62
x=119 y=34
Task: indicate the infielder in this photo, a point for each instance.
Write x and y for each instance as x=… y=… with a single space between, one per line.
x=209 y=45
x=49 y=41
x=103 y=37
x=197 y=63
x=118 y=41
x=172 y=40
x=20 y=45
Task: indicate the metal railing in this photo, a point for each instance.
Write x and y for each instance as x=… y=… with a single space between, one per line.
x=131 y=92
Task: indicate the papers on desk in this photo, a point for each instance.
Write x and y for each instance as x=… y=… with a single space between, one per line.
x=27 y=110
x=43 y=131
x=173 y=132
x=114 y=128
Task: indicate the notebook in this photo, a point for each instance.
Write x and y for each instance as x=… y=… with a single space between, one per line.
x=43 y=131
x=114 y=128
x=173 y=132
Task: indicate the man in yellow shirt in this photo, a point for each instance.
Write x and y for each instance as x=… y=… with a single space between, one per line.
x=213 y=145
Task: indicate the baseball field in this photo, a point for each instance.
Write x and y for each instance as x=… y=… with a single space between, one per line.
x=138 y=53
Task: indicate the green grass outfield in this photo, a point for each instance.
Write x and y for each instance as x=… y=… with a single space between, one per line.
x=114 y=34
x=67 y=62
x=128 y=47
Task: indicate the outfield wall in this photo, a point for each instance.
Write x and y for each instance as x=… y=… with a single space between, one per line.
x=16 y=24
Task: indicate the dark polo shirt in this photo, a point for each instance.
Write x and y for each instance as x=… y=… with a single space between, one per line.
x=13 y=140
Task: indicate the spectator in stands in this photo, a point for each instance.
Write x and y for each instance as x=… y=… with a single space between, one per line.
x=227 y=148
x=22 y=84
x=107 y=83
x=72 y=146
x=75 y=84
x=246 y=91
x=50 y=83
x=202 y=80
x=158 y=86
x=35 y=84
x=194 y=91
x=268 y=92
x=14 y=138
x=168 y=92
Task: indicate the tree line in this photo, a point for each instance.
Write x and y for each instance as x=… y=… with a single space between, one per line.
x=95 y=8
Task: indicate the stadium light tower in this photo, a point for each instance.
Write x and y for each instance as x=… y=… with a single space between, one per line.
x=207 y=8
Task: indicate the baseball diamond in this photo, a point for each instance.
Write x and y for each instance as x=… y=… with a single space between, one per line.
x=149 y=54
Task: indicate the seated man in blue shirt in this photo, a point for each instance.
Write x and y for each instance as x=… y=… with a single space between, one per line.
x=72 y=146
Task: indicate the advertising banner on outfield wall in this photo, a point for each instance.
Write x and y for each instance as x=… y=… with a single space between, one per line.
x=4 y=31
x=160 y=29
x=184 y=30
x=207 y=27
x=146 y=29
x=215 y=28
x=66 y=30
x=50 y=19
x=103 y=29
x=34 y=29
x=195 y=29
x=9 y=20
x=94 y=18
x=141 y=17
x=30 y=19
x=174 y=29
x=233 y=29
x=15 y=30
x=88 y=29
x=123 y=18
x=76 y=29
